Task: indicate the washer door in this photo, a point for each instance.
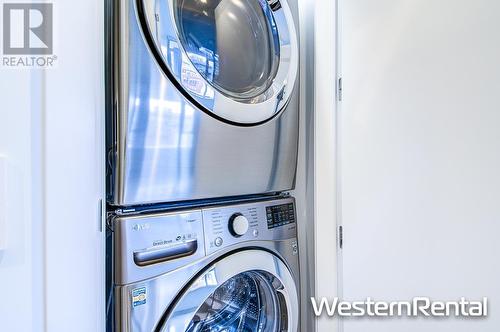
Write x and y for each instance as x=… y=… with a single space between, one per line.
x=245 y=292
x=235 y=59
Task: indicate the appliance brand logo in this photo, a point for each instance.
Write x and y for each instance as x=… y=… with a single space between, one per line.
x=28 y=38
x=141 y=227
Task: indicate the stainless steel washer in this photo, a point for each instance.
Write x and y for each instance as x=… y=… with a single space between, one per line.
x=201 y=91
x=220 y=268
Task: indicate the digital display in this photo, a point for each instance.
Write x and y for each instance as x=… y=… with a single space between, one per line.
x=280 y=215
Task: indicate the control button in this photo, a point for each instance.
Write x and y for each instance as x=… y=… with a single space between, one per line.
x=218 y=242
x=255 y=232
x=238 y=225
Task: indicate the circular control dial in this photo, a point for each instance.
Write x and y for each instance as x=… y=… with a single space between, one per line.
x=238 y=225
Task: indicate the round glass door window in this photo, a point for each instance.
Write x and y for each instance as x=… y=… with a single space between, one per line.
x=247 y=302
x=234 y=44
x=247 y=291
x=234 y=59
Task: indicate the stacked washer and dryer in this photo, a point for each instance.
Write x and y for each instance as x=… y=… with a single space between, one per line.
x=202 y=138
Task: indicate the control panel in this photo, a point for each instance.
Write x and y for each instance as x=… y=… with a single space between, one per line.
x=264 y=221
x=280 y=215
x=151 y=244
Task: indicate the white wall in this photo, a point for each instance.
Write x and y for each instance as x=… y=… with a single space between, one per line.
x=21 y=275
x=74 y=170
x=421 y=156
x=325 y=153
x=52 y=271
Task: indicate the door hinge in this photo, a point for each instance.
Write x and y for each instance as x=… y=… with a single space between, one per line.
x=341 y=237
x=339 y=89
x=102 y=215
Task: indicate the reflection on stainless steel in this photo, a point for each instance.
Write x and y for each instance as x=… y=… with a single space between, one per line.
x=248 y=284
x=163 y=148
x=233 y=44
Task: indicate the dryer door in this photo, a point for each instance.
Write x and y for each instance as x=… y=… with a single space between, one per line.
x=248 y=291
x=235 y=59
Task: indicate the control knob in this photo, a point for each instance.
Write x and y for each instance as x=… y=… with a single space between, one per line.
x=238 y=225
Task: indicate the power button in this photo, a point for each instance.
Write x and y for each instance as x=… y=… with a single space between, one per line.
x=218 y=242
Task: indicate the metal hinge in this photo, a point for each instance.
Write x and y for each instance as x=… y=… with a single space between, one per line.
x=100 y=212
x=341 y=237
x=339 y=89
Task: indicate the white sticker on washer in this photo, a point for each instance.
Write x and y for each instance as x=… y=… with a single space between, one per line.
x=139 y=296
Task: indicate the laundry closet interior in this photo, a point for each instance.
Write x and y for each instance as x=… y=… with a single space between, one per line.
x=215 y=165
x=202 y=143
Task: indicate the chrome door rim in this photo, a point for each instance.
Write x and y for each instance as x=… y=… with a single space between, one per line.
x=227 y=268
x=251 y=111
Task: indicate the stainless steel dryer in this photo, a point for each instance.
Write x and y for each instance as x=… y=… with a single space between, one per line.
x=223 y=268
x=203 y=99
